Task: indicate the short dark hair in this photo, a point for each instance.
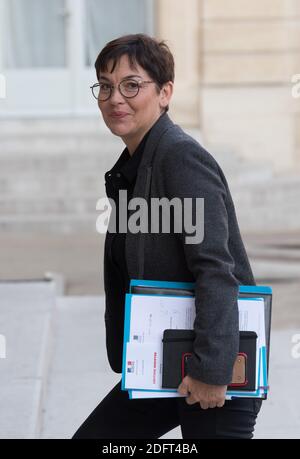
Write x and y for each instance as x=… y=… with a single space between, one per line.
x=152 y=55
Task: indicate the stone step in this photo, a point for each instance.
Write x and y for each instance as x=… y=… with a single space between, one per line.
x=269 y=206
x=244 y=172
x=63 y=185
x=57 y=125
x=268 y=271
x=275 y=253
x=49 y=144
x=26 y=320
x=56 y=161
x=38 y=138
x=49 y=205
x=235 y=168
x=45 y=223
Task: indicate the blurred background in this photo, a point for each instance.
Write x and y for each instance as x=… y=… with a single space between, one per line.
x=237 y=69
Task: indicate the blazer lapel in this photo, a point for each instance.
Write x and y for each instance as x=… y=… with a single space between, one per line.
x=134 y=244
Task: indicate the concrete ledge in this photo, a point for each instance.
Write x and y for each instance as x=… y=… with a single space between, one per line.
x=26 y=322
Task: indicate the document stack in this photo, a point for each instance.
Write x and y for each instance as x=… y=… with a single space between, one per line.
x=158 y=337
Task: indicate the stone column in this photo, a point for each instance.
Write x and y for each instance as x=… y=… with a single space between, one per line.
x=251 y=49
x=179 y=24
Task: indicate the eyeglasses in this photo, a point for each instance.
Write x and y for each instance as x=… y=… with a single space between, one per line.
x=128 y=89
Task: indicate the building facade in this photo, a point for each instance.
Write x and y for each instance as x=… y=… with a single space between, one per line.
x=235 y=63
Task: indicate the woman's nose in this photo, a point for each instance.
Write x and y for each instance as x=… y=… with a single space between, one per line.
x=116 y=96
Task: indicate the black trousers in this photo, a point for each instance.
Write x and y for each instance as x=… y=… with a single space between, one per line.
x=117 y=417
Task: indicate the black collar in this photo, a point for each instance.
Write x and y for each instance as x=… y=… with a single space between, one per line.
x=128 y=165
x=130 y=168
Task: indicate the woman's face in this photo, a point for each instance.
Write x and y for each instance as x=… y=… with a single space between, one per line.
x=131 y=118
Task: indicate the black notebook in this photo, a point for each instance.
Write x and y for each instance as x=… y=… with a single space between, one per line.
x=178 y=346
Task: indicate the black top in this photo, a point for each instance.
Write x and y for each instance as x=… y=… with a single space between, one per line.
x=121 y=177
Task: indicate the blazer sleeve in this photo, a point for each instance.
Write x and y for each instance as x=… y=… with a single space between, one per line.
x=189 y=171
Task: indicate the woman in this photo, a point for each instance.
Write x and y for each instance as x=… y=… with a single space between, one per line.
x=135 y=85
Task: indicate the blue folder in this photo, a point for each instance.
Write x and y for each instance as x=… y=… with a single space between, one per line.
x=153 y=287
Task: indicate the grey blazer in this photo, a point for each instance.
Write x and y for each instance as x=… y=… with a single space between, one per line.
x=176 y=165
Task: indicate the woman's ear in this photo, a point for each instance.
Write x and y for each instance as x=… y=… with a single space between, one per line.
x=166 y=94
